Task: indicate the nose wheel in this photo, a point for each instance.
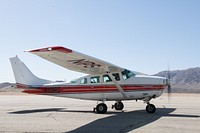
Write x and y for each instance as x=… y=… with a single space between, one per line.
x=150 y=108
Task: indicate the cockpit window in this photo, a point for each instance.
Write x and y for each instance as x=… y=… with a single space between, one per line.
x=127 y=74
x=106 y=78
x=95 y=79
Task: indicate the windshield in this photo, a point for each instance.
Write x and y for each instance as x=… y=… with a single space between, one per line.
x=127 y=74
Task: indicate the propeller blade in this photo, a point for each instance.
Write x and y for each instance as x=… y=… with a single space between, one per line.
x=169 y=90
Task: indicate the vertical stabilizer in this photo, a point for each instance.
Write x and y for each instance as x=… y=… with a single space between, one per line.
x=24 y=76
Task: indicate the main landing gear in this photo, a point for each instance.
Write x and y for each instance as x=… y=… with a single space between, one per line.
x=118 y=106
x=101 y=108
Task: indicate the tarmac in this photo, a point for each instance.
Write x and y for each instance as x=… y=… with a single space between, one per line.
x=38 y=113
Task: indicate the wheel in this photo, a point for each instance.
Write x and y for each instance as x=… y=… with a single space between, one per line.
x=101 y=108
x=119 y=105
x=150 y=108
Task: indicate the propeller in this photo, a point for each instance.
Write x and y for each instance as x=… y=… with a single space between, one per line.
x=169 y=89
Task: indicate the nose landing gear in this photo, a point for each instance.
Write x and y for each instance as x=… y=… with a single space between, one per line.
x=150 y=108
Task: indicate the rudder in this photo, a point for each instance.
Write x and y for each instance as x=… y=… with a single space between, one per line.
x=24 y=76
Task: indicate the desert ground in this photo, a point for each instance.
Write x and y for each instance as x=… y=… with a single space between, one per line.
x=21 y=112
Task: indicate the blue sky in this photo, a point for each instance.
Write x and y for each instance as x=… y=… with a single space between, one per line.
x=140 y=35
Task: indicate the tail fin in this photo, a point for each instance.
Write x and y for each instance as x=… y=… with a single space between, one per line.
x=24 y=76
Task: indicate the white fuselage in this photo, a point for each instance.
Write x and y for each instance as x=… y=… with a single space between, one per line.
x=135 y=87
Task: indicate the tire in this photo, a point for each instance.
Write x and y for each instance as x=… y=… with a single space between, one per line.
x=101 y=108
x=150 y=108
x=119 y=106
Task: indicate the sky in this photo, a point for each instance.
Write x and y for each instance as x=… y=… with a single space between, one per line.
x=140 y=35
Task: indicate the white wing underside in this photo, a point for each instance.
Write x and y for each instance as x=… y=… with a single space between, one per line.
x=75 y=61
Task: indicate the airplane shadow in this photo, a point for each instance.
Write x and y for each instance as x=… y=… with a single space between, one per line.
x=56 y=110
x=37 y=111
x=116 y=122
x=121 y=122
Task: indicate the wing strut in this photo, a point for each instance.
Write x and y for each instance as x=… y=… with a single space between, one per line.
x=118 y=86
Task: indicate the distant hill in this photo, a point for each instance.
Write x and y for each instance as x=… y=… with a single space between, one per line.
x=6 y=84
x=185 y=81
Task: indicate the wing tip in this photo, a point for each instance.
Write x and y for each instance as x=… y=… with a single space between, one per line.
x=51 y=48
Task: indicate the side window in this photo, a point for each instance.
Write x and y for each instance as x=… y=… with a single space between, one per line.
x=95 y=79
x=106 y=78
x=84 y=81
x=116 y=76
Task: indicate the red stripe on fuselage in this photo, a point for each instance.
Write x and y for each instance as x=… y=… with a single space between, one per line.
x=91 y=89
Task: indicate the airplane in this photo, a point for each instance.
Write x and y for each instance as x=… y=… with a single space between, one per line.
x=104 y=82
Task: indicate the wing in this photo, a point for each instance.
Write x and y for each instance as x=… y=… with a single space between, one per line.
x=75 y=61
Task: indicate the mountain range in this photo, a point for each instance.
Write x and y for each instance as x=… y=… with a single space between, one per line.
x=6 y=85
x=182 y=81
